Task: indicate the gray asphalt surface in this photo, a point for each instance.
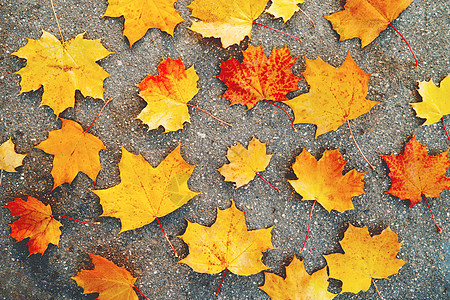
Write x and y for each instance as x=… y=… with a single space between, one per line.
x=144 y=252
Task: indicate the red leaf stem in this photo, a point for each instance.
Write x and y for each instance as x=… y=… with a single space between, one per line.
x=223 y=277
x=167 y=238
x=309 y=225
x=432 y=216
x=410 y=49
x=83 y=222
x=357 y=146
x=294 y=37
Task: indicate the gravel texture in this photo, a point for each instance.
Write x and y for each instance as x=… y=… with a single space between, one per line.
x=144 y=251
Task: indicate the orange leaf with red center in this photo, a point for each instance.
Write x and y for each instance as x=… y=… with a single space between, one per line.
x=107 y=279
x=415 y=173
x=36 y=222
x=259 y=77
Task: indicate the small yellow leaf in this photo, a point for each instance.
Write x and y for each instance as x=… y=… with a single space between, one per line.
x=9 y=159
x=227 y=244
x=365 y=258
x=144 y=192
x=298 y=284
x=284 y=8
x=245 y=163
x=436 y=101
x=62 y=69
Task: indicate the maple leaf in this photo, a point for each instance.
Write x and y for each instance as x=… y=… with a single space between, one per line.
x=227 y=244
x=407 y=173
x=62 y=68
x=436 y=101
x=298 y=284
x=144 y=192
x=366 y=18
x=9 y=159
x=140 y=15
x=167 y=94
x=229 y=20
x=365 y=258
x=323 y=181
x=245 y=163
x=75 y=151
x=36 y=222
x=284 y=8
x=258 y=77
x=107 y=279
x=336 y=95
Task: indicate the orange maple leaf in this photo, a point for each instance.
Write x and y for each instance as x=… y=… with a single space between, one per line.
x=146 y=193
x=167 y=95
x=62 y=68
x=107 y=279
x=336 y=95
x=36 y=222
x=259 y=77
x=407 y=173
x=365 y=258
x=140 y=15
x=227 y=244
x=298 y=284
x=323 y=181
x=9 y=159
x=365 y=18
x=74 y=151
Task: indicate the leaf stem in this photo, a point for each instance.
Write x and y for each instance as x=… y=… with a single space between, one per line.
x=209 y=114
x=1 y=176
x=309 y=225
x=443 y=124
x=104 y=105
x=140 y=292
x=410 y=49
x=278 y=31
x=167 y=238
x=223 y=277
x=312 y=22
x=267 y=182
x=376 y=288
x=292 y=121
x=83 y=222
x=357 y=146
x=432 y=216
x=57 y=22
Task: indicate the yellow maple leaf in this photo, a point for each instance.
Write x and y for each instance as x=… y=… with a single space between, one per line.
x=323 y=180
x=144 y=192
x=74 y=151
x=140 y=15
x=167 y=94
x=107 y=279
x=229 y=20
x=436 y=101
x=336 y=95
x=284 y=8
x=227 y=244
x=365 y=258
x=298 y=284
x=366 y=18
x=244 y=164
x=62 y=68
x=9 y=159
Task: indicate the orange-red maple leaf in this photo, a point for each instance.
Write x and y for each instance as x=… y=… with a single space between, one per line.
x=36 y=222
x=415 y=173
x=107 y=279
x=259 y=77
